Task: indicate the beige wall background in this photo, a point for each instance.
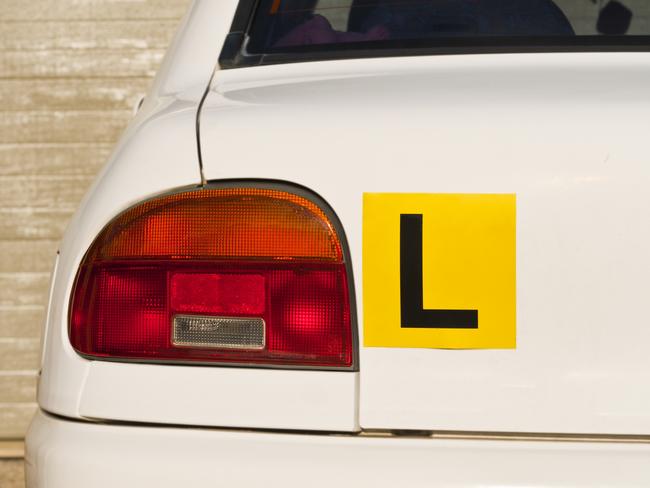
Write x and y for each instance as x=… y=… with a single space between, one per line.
x=70 y=73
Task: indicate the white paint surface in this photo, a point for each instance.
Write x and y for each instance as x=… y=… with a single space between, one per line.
x=62 y=454
x=568 y=133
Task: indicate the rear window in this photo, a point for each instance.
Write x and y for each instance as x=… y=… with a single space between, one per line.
x=305 y=29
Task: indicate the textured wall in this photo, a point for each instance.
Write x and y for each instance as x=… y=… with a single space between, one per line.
x=70 y=73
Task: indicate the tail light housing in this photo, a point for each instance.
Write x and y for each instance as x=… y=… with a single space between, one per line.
x=248 y=276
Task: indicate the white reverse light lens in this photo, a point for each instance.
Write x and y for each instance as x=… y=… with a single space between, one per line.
x=219 y=332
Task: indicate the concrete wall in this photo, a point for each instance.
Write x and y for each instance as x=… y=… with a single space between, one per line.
x=70 y=72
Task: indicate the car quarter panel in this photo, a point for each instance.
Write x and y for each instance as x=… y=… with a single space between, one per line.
x=160 y=157
x=155 y=155
x=159 y=154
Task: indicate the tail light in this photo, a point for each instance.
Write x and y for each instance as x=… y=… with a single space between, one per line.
x=246 y=275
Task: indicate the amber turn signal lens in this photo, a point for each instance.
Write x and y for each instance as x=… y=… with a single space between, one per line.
x=237 y=223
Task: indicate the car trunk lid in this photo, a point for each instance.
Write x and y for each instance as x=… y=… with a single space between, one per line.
x=564 y=134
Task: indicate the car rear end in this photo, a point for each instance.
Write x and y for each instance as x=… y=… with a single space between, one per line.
x=338 y=247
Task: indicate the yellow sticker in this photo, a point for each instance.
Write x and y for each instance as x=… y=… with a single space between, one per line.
x=439 y=270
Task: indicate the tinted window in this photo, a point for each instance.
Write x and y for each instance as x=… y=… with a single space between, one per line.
x=321 y=25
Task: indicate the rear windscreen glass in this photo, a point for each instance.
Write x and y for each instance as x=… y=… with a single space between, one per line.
x=320 y=25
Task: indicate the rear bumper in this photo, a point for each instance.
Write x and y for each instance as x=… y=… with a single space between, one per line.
x=70 y=454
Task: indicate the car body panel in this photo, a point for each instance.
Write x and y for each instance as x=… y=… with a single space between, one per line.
x=565 y=132
x=155 y=155
x=69 y=454
x=158 y=157
x=192 y=55
x=228 y=397
x=158 y=154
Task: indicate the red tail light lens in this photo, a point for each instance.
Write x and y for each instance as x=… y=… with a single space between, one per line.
x=248 y=276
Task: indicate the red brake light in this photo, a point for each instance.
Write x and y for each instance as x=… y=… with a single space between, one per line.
x=249 y=276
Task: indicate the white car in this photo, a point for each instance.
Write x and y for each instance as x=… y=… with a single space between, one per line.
x=364 y=243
